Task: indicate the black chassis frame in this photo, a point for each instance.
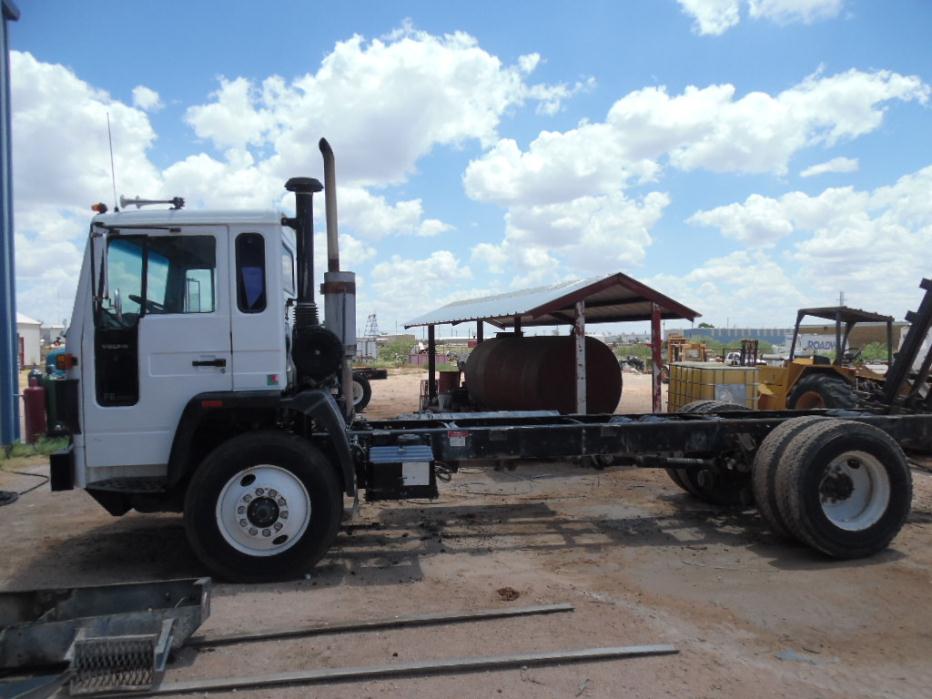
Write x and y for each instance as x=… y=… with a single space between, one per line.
x=684 y=440
x=725 y=440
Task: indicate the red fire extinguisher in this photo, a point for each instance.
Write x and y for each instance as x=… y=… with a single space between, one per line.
x=34 y=409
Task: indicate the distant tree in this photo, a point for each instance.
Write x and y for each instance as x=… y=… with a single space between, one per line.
x=706 y=325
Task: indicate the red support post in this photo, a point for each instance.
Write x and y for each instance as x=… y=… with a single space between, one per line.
x=656 y=358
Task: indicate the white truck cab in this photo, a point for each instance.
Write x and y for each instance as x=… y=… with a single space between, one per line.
x=182 y=303
x=201 y=380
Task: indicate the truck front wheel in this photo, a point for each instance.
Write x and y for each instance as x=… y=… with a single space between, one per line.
x=262 y=506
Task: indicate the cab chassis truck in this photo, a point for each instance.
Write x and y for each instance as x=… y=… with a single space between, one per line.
x=201 y=380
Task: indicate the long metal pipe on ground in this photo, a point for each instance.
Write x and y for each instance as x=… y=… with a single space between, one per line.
x=403 y=622
x=412 y=669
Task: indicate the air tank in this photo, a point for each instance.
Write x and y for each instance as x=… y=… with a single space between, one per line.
x=539 y=373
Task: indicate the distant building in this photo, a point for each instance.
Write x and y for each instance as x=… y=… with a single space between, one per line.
x=862 y=334
x=51 y=332
x=733 y=336
x=28 y=331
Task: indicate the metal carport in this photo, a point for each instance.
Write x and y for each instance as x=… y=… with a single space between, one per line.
x=615 y=298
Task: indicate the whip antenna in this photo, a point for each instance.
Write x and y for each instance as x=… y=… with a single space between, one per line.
x=112 y=169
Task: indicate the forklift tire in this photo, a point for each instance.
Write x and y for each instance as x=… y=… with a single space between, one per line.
x=821 y=391
x=764 y=470
x=262 y=506
x=732 y=488
x=844 y=488
x=362 y=393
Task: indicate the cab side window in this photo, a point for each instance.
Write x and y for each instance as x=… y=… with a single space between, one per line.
x=180 y=275
x=250 y=273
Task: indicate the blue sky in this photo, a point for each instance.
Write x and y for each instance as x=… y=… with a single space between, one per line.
x=744 y=156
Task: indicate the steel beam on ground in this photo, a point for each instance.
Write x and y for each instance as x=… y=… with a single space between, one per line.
x=379 y=625
x=410 y=669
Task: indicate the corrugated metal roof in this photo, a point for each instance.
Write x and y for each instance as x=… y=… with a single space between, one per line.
x=616 y=297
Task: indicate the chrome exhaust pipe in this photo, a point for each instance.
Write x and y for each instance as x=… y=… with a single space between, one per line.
x=330 y=199
x=339 y=288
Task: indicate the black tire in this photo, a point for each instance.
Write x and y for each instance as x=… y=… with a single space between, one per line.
x=764 y=470
x=803 y=489
x=674 y=473
x=728 y=489
x=818 y=391
x=362 y=393
x=289 y=453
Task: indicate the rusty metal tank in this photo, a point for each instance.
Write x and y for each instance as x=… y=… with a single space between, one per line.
x=538 y=373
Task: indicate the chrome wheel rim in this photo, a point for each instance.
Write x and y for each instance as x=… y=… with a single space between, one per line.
x=855 y=491
x=358 y=392
x=263 y=510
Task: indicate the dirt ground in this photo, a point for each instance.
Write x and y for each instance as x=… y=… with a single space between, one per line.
x=641 y=562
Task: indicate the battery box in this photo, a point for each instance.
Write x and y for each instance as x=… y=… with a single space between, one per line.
x=402 y=471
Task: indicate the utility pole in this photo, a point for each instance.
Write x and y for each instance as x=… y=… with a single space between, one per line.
x=9 y=342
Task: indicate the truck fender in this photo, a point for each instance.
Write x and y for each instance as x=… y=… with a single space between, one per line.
x=315 y=404
x=322 y=408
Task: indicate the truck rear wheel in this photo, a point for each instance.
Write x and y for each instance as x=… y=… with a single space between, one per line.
x=262 y=506
x=818 y=391
x=725 y=488
x=362 y=393
x=844 y=488
x=766 y=464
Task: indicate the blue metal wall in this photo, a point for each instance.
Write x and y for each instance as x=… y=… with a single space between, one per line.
x=9 y=342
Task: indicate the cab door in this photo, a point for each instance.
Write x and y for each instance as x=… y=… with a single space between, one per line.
x=161 y=336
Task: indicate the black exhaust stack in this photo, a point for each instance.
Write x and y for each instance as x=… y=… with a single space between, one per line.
x=317 y=352
x=304 y=189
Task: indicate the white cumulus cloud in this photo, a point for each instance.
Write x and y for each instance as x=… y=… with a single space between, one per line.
x=712 y=16
x=871 y=244
x=833 y=165
x=146 y=99
x=715 y=17
x=788 y=11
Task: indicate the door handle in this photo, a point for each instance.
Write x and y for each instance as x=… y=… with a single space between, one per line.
x=209 y=362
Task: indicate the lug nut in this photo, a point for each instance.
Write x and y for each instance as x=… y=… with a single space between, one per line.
x=272 y=493
x=266 y=532
x=278 y=526
x=241 y=509
x=247 y=497
x=281 y=502
x=243 y=523
x=253 y=531
x=260 y=491
x=283 y=514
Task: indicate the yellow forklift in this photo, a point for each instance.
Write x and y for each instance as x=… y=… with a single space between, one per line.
x=818 y=381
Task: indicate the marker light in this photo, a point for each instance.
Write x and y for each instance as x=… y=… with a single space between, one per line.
x=65 y=361
x=99 y=207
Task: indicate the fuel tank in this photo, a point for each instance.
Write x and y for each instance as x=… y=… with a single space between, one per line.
x=538 y=373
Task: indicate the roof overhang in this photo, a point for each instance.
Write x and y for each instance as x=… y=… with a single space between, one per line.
x=843 y=313
x=615 y=298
